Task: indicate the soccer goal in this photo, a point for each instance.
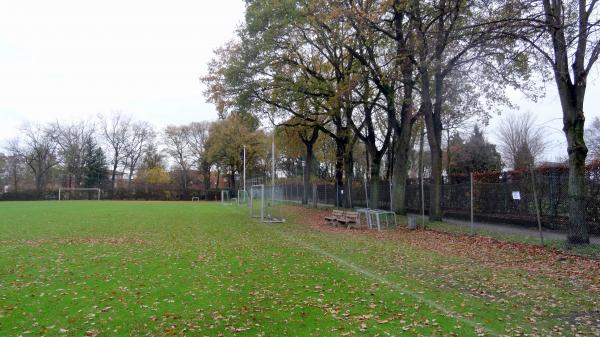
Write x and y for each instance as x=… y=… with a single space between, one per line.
x=264 y=205
x=225 y=197
x=79 y=193
x=195 y=199
x=242 y=197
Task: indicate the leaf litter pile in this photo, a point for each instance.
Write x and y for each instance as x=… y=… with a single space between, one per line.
x=183 y=269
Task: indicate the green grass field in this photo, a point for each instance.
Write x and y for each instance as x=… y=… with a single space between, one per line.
x=184 y=269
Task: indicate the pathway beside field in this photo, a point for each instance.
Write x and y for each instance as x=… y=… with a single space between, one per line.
x=515 y=230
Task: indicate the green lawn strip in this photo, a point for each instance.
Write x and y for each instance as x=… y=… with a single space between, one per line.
x=201 y=269
x=205 y=271
x=502 y=298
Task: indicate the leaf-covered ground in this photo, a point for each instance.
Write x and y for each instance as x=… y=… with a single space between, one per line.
x=157 y=269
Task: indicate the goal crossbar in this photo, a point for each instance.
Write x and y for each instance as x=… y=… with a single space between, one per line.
x=73 y=189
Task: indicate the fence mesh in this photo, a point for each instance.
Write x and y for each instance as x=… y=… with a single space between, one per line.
x=510 y=202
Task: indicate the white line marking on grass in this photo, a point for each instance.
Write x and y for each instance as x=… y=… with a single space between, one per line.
x=381 y=279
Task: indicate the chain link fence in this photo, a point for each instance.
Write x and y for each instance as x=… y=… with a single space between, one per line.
x=511 y=201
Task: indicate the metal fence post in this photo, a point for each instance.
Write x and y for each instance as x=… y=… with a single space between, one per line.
x=471 y=195
x=391 y=197
x=422 y=202
x=537 y=208
x=366 y=193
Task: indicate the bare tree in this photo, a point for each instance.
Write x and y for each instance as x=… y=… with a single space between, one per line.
x=3 y=171
x=198 y=135
x=592 y=139
x=114 y=131
x=140 y=136
x=566 y=35
x=522 y=142
x=14 y=166
x=71 y=139
x=39 y=151
x=176 y=139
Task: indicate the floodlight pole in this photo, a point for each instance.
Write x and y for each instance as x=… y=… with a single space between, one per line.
x=472 y=211
x=244 y=172
x=273 y=163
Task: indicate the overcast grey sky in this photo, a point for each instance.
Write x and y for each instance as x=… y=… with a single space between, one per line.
x=73 y=59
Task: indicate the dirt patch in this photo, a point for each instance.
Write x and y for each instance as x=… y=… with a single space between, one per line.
x=114 y=241
x=484 y=250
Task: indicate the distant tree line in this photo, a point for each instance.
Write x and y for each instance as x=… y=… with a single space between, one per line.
x=128 y=158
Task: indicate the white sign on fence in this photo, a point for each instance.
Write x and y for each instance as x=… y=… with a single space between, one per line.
x=516 y=195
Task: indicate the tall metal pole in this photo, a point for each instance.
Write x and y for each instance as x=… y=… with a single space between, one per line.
x=391 y=197
x=472 y=218
x=537 y=208
x=366 y=191
x=273 y=163
x=422 y=201
x=244 y=172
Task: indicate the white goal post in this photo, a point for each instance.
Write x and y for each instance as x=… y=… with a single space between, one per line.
x=75 y=189
x=242 y=197
x=264 y=206
x=225 y=197
x=257 y=198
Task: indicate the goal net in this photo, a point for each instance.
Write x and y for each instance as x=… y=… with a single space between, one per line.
x=265 y=204
x=225 y=197
x=79 y=193
x=243 y=198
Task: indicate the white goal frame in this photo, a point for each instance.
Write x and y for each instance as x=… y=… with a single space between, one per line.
x=60 y=190
x=265 y=215
x=223 y=194
x=242 y=197
x=262 y=202
x=195 y=199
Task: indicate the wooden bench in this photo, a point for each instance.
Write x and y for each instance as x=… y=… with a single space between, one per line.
x=350 y=219
x=334 y=217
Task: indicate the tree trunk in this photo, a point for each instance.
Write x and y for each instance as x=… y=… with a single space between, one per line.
x=435 y=195
x=206 y=177
x=448 y=151
x=400 y=176
x=574 y=120
x=15 y=182
x=403 y=129
x=349 y=175
x=375 y=182
x=420 y=172
x=308 y=165
x=339 y=173
x=184 y=189
x=129 y=181
x=433 y=123
x=40 y=184
x=113 y=176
